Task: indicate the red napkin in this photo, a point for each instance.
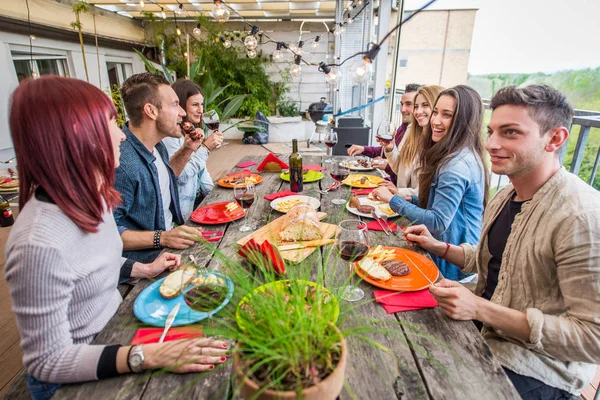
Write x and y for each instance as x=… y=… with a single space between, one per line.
x=277 y=195
x=151 y=335
x=408 y=301
x=246 y=164
x=361 y=192
x=374 y=226
x=313 y=167
x=271 y=158
x=264 y=255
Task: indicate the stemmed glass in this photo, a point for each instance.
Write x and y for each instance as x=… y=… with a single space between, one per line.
x=212 y=122
x=245 y=193
x=331 y=139
x=352 y=246
x=339 y=173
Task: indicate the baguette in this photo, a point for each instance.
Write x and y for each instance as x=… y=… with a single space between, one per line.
x=176 y=281
x=374 y=269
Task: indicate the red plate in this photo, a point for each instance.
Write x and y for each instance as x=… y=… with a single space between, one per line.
x=215 y=214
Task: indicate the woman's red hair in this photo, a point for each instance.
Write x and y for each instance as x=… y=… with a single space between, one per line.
x=59 y=127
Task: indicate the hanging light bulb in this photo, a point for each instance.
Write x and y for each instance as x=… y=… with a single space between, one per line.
x=359 y=2
x=250 y=42
x=332 y=76
x=342 y=28
x=251 y=53
x=197 y=30
x=34 y=74
x=348 y=20
x=296 y=69
x=142 y=4
x=299 y=48
x=362 y=68
x=179 y=10
x=277 y=53
x=226 y=42
x=185 y=54
x=32 y=37
x=338 y=30
x=316 y=42
x=163 y=15
x=220 y=12
x=178 y=31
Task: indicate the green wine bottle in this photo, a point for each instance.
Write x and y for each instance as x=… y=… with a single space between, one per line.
x=296 y=184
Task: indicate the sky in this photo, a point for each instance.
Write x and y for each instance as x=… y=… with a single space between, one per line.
x=512 y=36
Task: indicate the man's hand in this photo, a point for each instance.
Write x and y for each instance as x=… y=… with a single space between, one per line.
x=181 y=237
x=214 y=140
x=390 y=186
x=419 y=234
x=379 y=163
x=355 y=150
x=162 y=262
x=382 y=193
x=455 y=300
x=193 y=141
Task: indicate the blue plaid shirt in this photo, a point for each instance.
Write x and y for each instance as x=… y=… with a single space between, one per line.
x=137 y=181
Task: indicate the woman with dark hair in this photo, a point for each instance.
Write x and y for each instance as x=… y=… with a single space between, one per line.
x=194 y=182
x=453 y=179
x=64 y=250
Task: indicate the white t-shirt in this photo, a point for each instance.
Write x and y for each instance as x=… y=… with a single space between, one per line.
x=165 y=188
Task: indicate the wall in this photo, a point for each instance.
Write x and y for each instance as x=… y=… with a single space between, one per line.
x=75 y=65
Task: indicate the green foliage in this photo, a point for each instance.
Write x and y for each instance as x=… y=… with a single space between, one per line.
x=582 y=88
x=115 y=95
x=288 y=108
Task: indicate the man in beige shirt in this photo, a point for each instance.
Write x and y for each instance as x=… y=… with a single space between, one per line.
x=538 y=295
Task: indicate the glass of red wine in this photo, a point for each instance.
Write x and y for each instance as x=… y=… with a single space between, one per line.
x=331 y=139
x=339 y=173
x=244 y=194
x=211 y=120
x=352 y=246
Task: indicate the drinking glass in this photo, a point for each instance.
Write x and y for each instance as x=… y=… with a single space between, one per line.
x=245 y=193
x=339 y=173
x=331 y=139
x=211 y=120
x=352 y=246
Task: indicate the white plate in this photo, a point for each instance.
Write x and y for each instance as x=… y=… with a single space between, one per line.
x=364 y=201
x=354 y=166
x=314 y=203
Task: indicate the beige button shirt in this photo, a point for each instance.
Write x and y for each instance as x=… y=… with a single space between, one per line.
x=551 y=271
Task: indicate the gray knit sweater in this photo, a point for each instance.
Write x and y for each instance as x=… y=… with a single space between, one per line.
x=63 y=285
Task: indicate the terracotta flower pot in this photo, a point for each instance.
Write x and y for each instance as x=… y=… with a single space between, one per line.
x=328 y=389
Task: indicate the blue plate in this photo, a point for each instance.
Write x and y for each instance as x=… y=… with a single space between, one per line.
x=152 y=309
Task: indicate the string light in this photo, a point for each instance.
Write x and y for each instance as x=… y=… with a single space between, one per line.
x=226 y=42
x=333 y=76
x=178 y=31
x=142 y=4
x=296 y=69
x=337 y=31
x=32 y=37
x=251 y=53
x=250 y=42
x=197 y=30
x=299 y=50
x=179 y=10
x=316 y=42
x=185 y=54
x=362 y=68
x=348 y=20
x=277 y=53
x=220 y=12
x=163 y=14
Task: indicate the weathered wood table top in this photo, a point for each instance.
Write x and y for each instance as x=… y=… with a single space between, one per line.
x=436 y=358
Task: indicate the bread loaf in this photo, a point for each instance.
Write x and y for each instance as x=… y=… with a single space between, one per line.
x=301 y=223
x=176 y=281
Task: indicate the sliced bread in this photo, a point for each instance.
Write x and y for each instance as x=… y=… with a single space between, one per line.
x=374 y=269
x=176 y=281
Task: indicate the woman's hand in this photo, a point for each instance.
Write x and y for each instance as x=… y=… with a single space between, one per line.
x=419 y=234
x=382 y=193
x=379 y=163
x=187 y=355
x=214 y=140
x=162 y=262
x=390 y=186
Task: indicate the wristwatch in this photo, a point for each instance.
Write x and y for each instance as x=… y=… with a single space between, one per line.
x=136 y=359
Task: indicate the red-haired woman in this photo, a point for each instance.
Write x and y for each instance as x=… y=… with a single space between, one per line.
x=64 y=251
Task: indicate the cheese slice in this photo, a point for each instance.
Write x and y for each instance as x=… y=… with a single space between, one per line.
x=374 y=269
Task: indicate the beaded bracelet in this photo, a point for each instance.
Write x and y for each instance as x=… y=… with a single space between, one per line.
x=447 y=248
x=157 y=239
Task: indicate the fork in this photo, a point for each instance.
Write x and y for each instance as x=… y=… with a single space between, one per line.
x=335 y=185
x=383 y=227
x=385 y=222
x=201 y=270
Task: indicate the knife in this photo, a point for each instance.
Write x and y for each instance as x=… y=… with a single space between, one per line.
x=374 y=215
x=169 y=322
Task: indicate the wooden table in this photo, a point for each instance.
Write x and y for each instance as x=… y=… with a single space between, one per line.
x=457 y=364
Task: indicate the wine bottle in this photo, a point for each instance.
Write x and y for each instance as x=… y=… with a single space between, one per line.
x=6 y=215
x=296 y=184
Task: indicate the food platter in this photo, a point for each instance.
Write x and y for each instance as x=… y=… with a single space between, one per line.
x=309 y=176
x=423 y=271
x=229 y=180
x=362 y=181
x=356 y=165
x=381 y=208
x=284 y=204
x=217 y=213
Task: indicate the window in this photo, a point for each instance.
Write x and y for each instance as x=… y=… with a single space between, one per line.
x=403 y=62
x=118 y=72
x=41 y=64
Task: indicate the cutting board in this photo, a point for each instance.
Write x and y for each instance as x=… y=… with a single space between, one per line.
x=271 y=231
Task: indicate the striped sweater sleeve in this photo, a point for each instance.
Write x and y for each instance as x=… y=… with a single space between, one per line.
x=43 y=285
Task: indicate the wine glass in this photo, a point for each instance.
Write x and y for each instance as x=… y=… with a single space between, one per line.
x=245 y=193
x=352 y=246
x=339 y=173
x=331 y=139
x=211 y=120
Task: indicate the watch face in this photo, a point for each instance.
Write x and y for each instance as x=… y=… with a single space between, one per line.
x=136 y=360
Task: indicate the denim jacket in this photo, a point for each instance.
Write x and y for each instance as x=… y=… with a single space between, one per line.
x=455 y=208
x=141 y=207
x=192 y=178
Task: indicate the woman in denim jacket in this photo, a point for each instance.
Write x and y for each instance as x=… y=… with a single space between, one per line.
x=453 y=180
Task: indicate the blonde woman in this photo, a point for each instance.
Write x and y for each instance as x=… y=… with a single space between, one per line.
x=403 y=159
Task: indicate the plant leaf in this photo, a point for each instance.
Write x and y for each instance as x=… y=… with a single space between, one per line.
x=233 y=106
x=194 y=69
x=167 y=74
x=216 y=93
x=149 y=66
